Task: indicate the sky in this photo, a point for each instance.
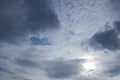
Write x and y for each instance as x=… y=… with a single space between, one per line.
x=59 y=40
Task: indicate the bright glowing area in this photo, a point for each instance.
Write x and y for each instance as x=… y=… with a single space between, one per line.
x=89 y=66
x=88 y=57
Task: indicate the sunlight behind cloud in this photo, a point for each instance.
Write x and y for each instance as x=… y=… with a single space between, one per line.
x=90 y=65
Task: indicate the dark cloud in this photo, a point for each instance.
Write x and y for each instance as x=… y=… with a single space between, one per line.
x=113 y=71
x=117 y=26
x=42 y=41
x=108 y=39
x=19 y=18
x=115 y=5
x=19 y=78
x=114 y=67
x=26 y=63
x=3 y=69
x=62 y=69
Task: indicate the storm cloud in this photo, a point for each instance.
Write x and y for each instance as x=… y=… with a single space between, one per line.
x=19 y=18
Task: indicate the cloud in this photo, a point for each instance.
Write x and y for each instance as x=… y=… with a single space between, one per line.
x=26 y=63
x=113 y=71
x=62 y=68
x=61 y=60
x=4 y=70
x=108 y=39
x=52 y=69
x=115 y=5
x=117 y=26
x=112 y=68
x=21 y=18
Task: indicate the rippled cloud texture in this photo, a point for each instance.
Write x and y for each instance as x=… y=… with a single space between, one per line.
x=59 y=40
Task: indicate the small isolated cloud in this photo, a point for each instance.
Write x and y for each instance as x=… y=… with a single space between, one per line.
x=19 y=18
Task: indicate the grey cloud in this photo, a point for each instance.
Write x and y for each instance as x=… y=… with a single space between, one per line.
x=19 y=78
x=108 y=39
x=26 y=63
x=113 y=71
x=3 y=69
x=3 y=57
x=53 y=69
x=115 y=5
x=19 y=18
x=117 y=26
x=114 y=67
x=62 y=69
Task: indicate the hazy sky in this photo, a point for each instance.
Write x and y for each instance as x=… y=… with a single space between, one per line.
x=59 y=40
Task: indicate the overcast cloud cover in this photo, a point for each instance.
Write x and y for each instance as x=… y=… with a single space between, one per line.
x=59 y=40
